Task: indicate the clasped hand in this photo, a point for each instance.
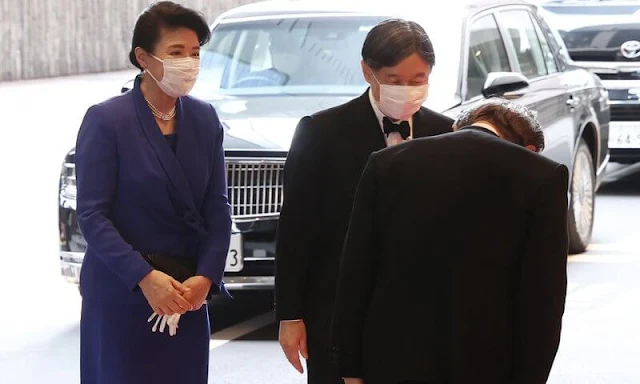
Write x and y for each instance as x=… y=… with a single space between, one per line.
x=169 y=298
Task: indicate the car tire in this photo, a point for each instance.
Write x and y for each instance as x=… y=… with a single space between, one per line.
x=582 y=200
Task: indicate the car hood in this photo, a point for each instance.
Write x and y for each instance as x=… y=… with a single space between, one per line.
x=256 y=123
x=267 y=122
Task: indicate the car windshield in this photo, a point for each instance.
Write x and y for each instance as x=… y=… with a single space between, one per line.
x=285 y=56
x=594 y=30
x=593 y=7
x=569 y=15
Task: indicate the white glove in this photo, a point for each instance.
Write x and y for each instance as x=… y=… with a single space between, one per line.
x=172 y=321
x=163 y=321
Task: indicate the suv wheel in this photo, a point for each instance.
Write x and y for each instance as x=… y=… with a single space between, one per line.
x=582 y=204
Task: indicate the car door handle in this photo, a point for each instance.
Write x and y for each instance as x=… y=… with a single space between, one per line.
x=573 y=101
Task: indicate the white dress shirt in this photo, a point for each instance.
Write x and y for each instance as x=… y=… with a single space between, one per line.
x=394 y=137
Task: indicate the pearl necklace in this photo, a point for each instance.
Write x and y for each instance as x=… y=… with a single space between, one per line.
x=162 y=116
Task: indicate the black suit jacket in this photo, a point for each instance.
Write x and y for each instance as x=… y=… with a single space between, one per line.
x=325 y=162
x=454 y=266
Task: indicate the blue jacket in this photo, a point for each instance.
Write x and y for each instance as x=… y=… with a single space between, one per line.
x=136 y=196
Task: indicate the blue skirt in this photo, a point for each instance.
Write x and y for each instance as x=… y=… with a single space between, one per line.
x=118 y=347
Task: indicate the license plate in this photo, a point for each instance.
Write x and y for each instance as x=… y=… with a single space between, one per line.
x=235 y=260
x=623 y=134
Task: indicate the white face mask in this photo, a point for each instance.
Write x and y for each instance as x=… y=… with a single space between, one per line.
x=179 y=75
x=400 y=102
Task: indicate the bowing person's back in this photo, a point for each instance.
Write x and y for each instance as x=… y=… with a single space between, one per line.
x=459 y=243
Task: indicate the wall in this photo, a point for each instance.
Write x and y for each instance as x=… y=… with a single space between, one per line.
x=45 y=38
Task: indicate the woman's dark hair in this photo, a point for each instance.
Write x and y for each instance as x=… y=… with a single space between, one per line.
x=393 y=40
x=516 y=123
x=165 y=15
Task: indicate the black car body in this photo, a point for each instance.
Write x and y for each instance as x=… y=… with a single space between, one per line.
x=271 y=63
x=604 y=37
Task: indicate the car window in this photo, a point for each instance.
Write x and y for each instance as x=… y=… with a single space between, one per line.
x=486 y=54
x=286 y=56
x=549 y=57
x=553 y=36
x=523 y=36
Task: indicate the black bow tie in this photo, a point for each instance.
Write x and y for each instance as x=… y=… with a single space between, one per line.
x=402 y=128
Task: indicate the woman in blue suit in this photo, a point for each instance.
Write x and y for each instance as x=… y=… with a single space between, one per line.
x=152 y=205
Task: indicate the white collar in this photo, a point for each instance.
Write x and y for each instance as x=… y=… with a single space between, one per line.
x=380 y=115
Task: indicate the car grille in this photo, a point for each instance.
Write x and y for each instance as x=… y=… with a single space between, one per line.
x=605 y=55
x=631 y=75
x=625 y=112
x=601 y=43
x=255 y=187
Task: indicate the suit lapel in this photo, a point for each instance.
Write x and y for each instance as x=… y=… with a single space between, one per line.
x=365 y=131
x=167 y=159
x=420 y=128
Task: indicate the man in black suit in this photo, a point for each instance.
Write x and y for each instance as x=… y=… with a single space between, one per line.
x=325 y=162
x=454 y=265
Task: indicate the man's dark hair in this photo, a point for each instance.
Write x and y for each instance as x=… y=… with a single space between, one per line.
x=165 y=15
x=515 y=122
x=393 y=40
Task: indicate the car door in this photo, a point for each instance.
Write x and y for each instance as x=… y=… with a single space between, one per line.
x=547 y=93
x=485 y=53
x=577 y=81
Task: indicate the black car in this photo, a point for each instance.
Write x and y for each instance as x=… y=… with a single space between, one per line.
x=604 y=37
x=270 y=63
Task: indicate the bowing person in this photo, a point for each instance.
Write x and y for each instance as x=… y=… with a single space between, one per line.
x=327 y=156
x=152 y=205
x=454 y=266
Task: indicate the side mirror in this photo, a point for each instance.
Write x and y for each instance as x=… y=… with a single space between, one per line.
x=499 y=83
x=126 y=86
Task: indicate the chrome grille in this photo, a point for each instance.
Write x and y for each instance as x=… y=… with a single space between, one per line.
x=625 y=112
x=68 y=192
x=628 y=75
x=255 y=187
